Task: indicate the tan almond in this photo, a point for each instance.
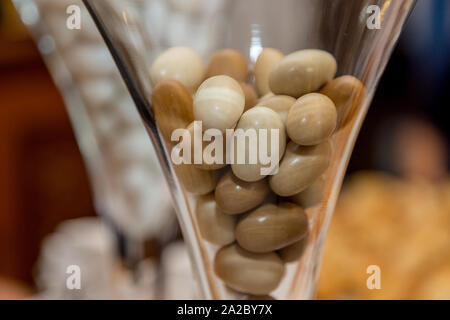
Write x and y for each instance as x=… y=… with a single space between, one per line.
x=280 y=104
x=272 y=227
x=302 y=72
x=172 y=107
x=264 y=65
x=300 y=167
x=215 y=226
x=235 y=196
x=311 y=196
x=311 y=119
x=251 y=98
x=246 y=272
x=208 y=160
x=195 y=181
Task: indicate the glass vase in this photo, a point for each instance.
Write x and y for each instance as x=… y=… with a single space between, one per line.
x=224 y=63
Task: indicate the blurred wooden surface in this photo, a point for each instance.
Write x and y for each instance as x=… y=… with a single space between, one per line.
x=42 y=176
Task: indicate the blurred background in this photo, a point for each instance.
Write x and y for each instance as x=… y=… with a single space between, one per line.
x=394 y=210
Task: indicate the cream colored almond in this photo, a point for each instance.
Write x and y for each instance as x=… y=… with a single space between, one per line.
x=265 y=97
x=219 y=103
x=255 y=119
x=311 y=119
x=179 y=63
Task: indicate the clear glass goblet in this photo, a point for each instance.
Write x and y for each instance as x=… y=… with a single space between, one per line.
x=358 y=34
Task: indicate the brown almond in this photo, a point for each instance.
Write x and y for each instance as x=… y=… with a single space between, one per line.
x=347 y=93
x=228 y=62
x=195 y=181
x=172 y=107
x=294 y=251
